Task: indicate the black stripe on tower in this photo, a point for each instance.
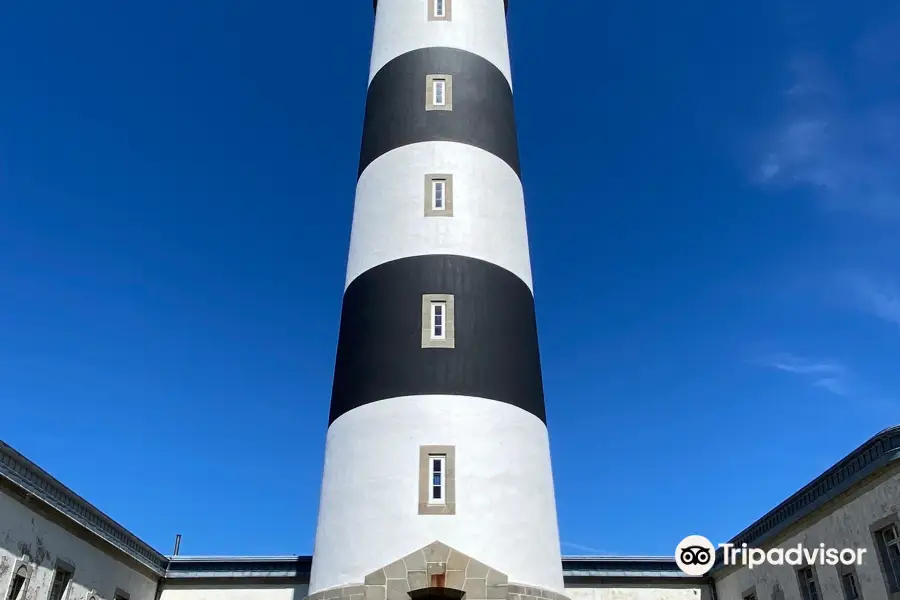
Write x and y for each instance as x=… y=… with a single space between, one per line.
x=379 y=353
x=483 y=114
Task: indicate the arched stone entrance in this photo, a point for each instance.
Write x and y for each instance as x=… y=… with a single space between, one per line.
x=436 y=572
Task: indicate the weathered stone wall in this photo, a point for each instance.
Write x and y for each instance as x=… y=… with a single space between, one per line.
x=843 y=523
x=27 y=537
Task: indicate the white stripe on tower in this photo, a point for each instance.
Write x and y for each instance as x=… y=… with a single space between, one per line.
x=393 y=393
x=479 y=27
x=488 y=219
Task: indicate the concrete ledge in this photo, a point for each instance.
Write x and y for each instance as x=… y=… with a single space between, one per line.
x=529 y=592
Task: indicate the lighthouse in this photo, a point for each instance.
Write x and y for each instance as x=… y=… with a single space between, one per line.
x=437 y=478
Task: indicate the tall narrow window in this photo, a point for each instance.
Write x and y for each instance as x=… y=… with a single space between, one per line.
x=438 y=193
x=438 y=320
x=437 y=494
x=809 y=587
x=440 y=87
x=439 y=10
x=888 y=541
x=61 y=579
x=437 y=480
x=17 y=586
x=850 y=585
x=439 y=92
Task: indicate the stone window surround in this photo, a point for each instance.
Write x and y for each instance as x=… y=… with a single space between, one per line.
x=449 y=340
x=449 y=505
x=777 y=592
x=29 y=571
x=448 y=7
x=843 y=570
x=447 y=211
x=67 y=568
x=801 y=583
x=429 y=92
x=874 y=530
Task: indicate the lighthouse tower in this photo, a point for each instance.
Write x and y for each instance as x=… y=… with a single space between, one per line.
x=437 y=477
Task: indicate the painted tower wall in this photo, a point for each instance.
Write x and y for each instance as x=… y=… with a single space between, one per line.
x=505 y=503
x=392 y=396
x=477 y=26
x=488 y=220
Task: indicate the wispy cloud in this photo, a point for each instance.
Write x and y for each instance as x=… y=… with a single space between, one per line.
x=582 y=548
x=879 y=297
x=829 y=375
x=839 y=135
x=832 y=376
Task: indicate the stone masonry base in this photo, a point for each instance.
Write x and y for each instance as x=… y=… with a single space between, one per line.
x=436 y=570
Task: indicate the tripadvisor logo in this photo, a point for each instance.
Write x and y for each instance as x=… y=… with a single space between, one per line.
x=695 y=555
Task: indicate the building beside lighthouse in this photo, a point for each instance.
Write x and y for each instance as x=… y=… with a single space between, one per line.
x=437 y=480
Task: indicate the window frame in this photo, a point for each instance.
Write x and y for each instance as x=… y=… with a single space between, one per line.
x=439 y=90
x=68 y=572
x=890 y=559
x=438 y=185
x=427 y=505
x=432 y=181
x=432 y=83
x=438 y=320
x=16 y=575
x=441 y=473
x=121 y=594
x=890 y=568
x=447 y=336
x=442 y=13
x=807 y=593
x=433 y=12
x=847 y=571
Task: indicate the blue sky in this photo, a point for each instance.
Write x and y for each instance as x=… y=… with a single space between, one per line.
x=713 y=203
